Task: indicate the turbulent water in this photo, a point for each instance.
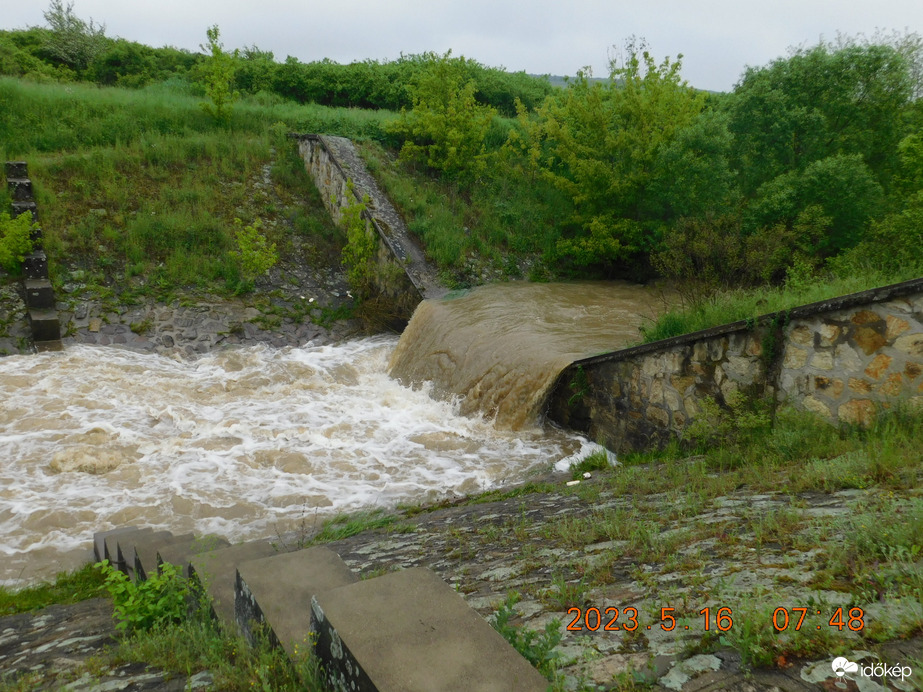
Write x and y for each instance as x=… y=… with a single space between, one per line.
x=500 y=347
x=254 y=442
x=242 y=443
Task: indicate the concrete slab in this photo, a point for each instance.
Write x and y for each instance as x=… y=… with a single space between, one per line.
x=35 y=265
x=178 y=554
x=276 y=592
x=99 y=541
x=410 y=631
x=112 y=553
x=142 y=558
x=39 y=293
x=45 y=324
x=217 y=572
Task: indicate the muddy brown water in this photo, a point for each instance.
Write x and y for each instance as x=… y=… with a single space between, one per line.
x=252 y=442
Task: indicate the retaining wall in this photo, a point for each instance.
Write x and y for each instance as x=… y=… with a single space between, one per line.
x=402 y=276
x=840 y=359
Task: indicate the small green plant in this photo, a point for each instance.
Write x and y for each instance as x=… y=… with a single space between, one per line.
x=359 y=251
x=157 y=601
x=597 y=461
x=218 y=77
x=255 y=253
x=536 y=647
x=15 y=242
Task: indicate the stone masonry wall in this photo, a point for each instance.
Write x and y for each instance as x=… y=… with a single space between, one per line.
x=840 y=359
x=403 y=275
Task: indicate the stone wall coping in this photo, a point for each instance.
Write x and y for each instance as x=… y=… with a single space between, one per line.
x=872 y=295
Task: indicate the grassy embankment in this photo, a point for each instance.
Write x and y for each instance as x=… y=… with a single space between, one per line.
x=138 y=190
x=871 y=554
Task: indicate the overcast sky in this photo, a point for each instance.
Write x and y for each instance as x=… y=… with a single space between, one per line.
x=718 y=38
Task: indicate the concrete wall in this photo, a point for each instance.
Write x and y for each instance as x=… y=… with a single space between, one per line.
x=840 y=358
x=402 y=277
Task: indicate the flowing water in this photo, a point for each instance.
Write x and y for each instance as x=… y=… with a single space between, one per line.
x=500 y=347
x=254 y=442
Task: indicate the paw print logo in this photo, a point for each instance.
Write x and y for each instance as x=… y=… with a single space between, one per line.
x=842 y=665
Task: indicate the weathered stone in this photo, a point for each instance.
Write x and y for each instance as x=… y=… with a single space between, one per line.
x=745 y=368
x=802 y=335
x=859 y=386
x=870 y=340
x=672 y=400
x=656 y=391
x=846 y=358
x=679 y=420
x=754 y=347
x=865 y=317
x=912 y=370
x=682 y=383
x=829 y=333
x=816 y=406
x=795 y=358
x=691 y=406
x=658 y=415
x=717 y=348
x=651 y=366
x=699 y=352
x=911 y=344
x=858 y=411
x=896 y=327
x=828 y=386
x=892 y=386
x=822 y=360
x=729 y=388
x=879 y=366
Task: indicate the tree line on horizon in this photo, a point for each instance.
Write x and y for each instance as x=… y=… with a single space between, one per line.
x=812 y=163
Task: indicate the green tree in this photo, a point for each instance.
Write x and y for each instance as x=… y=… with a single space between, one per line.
x=446 y=127
x=218 y=77
x=72 y=41
x=602 y=143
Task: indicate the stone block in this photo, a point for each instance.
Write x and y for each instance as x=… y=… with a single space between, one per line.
x=879 y=366
x=828 y=334
x=865 y=317
x=817 y=406
x=39 y=293
x=801 y=335
x=911 y=344
x=410 y=631
x=35 y=265
x=17 y=169
x=20 y=189
x=869 y=339
x=912 y=370
x=847 y=359
x=24 y=207
x=179 y=554
x=145 y=551
x=658 y=416
x=217 y=571
x=859 y=386
x=276 y=592
x=822 y=360
x=45 y=325
x=717 y=348
x=829 y=386
x=99 y=538
x=681 y=384
x=795 y=358
x=858 y=412
x=892 y=386
x=895 y=327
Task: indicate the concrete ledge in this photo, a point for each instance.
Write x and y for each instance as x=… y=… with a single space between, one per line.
x=409 y=631
x=179 y=554
x=35 y=265
x=45 y=325
x=20 y=189
x=100 y=550
x=275 y=593
x=113 y=552
x=216 y=572
x=144 y=560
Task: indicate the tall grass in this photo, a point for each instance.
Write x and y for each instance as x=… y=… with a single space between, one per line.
x=741 y=304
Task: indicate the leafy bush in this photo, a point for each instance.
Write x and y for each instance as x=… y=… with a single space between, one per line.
x=143 y=605
x=15 y=242
x=255 y=254
x=359 y=251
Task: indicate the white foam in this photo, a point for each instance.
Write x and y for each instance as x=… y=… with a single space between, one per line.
x=239 y=443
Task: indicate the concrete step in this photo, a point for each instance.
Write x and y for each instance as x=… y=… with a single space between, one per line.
x=20 y=189
x=216 y=571
x=39 y=293
x=276 y=593
x=114 y=552
x=100 y=551
x=16 y=169
x=410 y=631
x=24 y=207
x=35 y=265
x=144 y=553
x=179 y=554
x=45 y=325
